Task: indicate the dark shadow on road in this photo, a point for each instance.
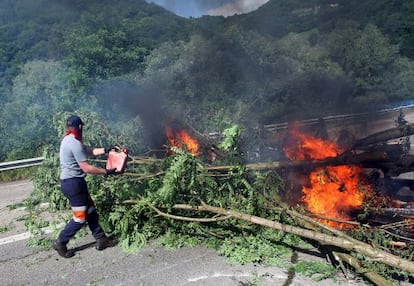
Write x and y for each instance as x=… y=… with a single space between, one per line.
x=82 y=247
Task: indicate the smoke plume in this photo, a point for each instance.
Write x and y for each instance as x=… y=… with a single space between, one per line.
x=127 y=100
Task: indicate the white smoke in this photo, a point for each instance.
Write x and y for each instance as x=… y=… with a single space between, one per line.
x=236 y=7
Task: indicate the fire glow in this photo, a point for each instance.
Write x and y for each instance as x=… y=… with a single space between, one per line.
x=334 y=191
x=180 y=139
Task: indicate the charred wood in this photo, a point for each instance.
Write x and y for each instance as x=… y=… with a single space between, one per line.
x=393 y=168
x=393 y=133
x=405 y=212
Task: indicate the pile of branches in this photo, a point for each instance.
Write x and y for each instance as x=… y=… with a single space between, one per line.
x=237 y=210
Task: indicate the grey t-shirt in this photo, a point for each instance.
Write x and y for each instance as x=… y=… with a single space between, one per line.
x=72 y=151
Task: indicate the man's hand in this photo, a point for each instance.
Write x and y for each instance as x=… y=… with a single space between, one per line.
x=107 y=149
x=110 y=172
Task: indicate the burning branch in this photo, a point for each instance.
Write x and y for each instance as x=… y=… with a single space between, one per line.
x=180 y=138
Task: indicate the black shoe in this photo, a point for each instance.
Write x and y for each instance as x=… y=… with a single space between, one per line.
x=105 y=242
x=62 y=249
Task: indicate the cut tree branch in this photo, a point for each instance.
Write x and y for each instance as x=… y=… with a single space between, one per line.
x=348 y=244
x=372 y=276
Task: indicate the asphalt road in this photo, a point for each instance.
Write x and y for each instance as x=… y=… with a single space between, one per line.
x=152 y=265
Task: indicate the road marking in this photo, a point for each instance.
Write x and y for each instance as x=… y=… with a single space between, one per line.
x=14 y=238
x=220 y=275
x=26 y=235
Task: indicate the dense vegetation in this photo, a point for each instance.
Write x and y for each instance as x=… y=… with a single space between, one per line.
x=129 y=68
x=287 y=60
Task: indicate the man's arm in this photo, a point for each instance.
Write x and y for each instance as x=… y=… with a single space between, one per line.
x=90 y=169
x=94 y=151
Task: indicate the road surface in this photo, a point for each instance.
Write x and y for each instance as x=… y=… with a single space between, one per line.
x=151 y=266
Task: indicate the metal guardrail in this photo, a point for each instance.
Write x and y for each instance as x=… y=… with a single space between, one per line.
x=21 y=164
x=335 y=118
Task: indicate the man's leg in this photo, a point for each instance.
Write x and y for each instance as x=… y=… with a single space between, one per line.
x=102 y=241
x=93 y=220
x=77 y=193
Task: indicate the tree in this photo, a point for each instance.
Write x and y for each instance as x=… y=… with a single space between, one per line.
x=39 y=92
x=102 y=54
x=372 y=54
x=371 y=63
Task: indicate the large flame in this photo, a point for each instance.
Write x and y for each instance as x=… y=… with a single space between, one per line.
x=180 y=139
x=334 y=191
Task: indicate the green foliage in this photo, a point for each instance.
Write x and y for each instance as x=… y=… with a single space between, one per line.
x=28 y=34
x=179 y=179
x=231 y=139
x=47 y=184
x=40 y=88
x=381 y=238
x=368 y=56
x=34 y=225
x=173 y=240
x=102 y=54
x=318 y=271
x=185 y=181
x=18 y=174
x=133 y=241
x=40 y=242
x=251 y=249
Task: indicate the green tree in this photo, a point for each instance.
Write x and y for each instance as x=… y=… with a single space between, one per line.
x=102 y=54
x=369 y=61
x=371 y=56
x=406 y=33
x=39 y=91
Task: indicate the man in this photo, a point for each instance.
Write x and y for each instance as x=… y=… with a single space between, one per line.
x=74 y=167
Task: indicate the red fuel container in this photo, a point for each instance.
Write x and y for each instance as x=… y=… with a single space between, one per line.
x=118 y=160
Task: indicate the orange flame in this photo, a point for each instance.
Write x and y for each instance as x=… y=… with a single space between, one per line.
x=180 y=139
x=334 y=191
x=308 y=147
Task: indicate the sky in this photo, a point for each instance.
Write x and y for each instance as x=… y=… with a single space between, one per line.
x=198 y=8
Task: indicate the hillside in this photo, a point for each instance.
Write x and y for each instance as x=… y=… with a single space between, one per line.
x=277 y=18
x=288 y=60
x=44 y=29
